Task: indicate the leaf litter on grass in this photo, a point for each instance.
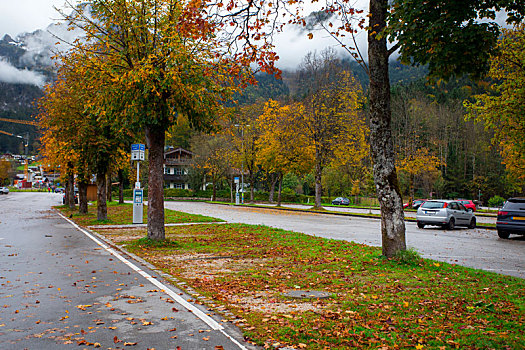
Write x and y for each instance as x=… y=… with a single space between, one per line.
x=377 y=303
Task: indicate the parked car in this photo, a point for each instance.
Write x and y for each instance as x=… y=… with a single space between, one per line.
x=467 y=203
x=416 y=203
x=445 y=213
x=511 y=218
x=341 y=201
x=4 y=190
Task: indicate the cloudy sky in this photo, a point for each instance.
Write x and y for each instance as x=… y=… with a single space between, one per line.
x=18 y=16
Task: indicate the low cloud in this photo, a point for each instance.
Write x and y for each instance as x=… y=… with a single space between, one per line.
x=10 y=74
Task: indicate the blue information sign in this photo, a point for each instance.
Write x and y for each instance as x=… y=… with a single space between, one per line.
x=137 y=197
x=138 y=147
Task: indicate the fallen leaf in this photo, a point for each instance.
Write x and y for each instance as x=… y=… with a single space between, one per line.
x=130 y=344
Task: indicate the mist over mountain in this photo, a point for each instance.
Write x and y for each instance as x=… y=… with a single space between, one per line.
x=26 y=65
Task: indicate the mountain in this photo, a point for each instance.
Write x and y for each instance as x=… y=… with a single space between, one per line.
x=25 y=66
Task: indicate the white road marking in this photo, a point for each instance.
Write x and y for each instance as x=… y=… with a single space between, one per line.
x=190 y=307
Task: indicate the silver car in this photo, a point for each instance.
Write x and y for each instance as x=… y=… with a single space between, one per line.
x=4 y=190
x=446 y=213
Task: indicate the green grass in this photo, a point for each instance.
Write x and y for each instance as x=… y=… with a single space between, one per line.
x=122 y=214
x=406 y=302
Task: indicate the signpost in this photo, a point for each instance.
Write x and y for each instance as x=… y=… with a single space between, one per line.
x=137 y=153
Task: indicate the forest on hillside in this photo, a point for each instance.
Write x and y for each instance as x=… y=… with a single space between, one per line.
x=439 y=153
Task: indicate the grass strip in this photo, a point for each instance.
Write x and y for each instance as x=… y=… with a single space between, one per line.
x=122 y=214
x=407 y=302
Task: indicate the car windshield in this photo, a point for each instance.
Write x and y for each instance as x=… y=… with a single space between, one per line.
x=514 y=205
x=433 y=205
x=464 y=202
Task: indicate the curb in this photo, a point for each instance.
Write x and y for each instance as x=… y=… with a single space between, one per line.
x=228 y=321
x=327 y=212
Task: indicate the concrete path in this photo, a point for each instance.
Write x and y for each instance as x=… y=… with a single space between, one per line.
x=62 y=287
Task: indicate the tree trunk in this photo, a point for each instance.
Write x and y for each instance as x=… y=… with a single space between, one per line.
x=155 y=139
x=381 y=145
x=280 y=179
x=232 y=184
x=121 y=186
x=102 y=207
x=71 y=190
x=273 y=181
x=108 y=186
x=252 y=180
x=214 y=193
x=82 y=197
x=66 y=193
x=318 y=184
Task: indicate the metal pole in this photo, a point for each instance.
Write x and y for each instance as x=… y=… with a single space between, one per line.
x=138 y=172
x=242 y=163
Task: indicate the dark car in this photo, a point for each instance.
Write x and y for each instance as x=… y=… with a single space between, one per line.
x=416 y=203
x=511 y=218
x=341 y=201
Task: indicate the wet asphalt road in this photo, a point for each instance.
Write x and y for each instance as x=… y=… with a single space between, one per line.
x=60 y=289
x=476 y=248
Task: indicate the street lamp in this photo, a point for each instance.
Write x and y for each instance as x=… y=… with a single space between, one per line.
x=242 y=159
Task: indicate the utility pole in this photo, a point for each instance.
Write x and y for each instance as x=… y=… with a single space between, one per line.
x=242 y=159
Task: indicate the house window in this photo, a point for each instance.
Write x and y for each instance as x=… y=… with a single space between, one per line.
x=179 y=171
x=179 y=186
x=166 y=170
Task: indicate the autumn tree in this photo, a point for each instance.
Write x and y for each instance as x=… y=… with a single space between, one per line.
x=502 y=110
x=5 y=168
x=281 y=148
x=213 y=156
x=417 y=163
x=163 y=58
x=83 y=138
x=245 y=133
x=448 y=36
x=332 y=98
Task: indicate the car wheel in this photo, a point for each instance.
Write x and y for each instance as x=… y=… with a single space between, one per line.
x=420 y=225
x=472 y=223
x=503 y=234
x=451 y=224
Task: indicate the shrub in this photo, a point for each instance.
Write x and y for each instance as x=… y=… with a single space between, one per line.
x=496 y=201
x=408 y=257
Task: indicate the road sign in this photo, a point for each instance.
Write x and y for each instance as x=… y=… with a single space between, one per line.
x=137 y=151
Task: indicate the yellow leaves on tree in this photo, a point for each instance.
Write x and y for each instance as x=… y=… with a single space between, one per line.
x=281 y=148
x=502 y=109
x=417 y=164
